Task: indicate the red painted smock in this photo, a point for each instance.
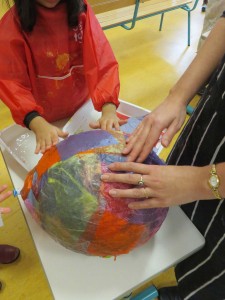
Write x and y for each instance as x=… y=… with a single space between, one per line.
x=54 y=69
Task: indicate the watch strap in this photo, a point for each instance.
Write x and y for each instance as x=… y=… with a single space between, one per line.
x=215 y=188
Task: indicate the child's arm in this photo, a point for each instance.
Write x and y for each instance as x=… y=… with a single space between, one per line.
x=101 y=72
x=47 y=134
x=109 y=119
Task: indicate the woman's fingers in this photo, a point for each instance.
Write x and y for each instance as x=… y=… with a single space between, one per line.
x=150 y=142
x=136 y=168
x=135 y=143
x=136 y=193
x=146 y=195
x=145 y=204
x=171 y=131
x=142 y=141
x=134 y=179
x=135 y=133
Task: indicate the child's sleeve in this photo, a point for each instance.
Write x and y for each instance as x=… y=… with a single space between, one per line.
x=18 y=99
x=15 y=82
x=100 y=65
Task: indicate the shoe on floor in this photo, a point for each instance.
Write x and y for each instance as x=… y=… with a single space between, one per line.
x=169 y=293
x=204 y=8
x=8 y=254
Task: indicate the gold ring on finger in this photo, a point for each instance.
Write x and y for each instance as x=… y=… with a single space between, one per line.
x=141 y=181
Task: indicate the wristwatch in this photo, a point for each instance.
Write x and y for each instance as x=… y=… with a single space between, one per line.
x=214 y=182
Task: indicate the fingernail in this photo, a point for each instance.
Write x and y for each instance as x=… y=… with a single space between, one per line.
x=166 y=143
x=111 y=166
x=104 y=177
x=132 y=206
x=112 y=192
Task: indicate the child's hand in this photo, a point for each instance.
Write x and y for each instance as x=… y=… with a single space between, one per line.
x=47 y=135
x=109 y=119
x=4 y=196
x=108 y=123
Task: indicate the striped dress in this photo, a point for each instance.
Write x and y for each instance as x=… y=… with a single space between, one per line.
x=202 y=142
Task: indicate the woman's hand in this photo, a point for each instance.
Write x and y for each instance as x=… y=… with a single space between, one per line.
x=47 y=134
x=3 y=196
x=109 y=119
x=169 y=115
x=163 y=185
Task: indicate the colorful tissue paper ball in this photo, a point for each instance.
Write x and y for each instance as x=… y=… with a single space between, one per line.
x=65 y=195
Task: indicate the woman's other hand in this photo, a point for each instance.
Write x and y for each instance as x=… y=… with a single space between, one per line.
x=169 y=115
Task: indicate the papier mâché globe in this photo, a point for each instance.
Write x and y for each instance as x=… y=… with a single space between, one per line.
x=65 y=195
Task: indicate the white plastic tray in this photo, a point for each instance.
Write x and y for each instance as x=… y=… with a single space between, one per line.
x=19 y=141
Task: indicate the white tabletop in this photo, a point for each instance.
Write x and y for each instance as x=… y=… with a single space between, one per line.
x=76 y=276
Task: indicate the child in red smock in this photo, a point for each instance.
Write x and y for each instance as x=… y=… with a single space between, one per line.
x=54 y=56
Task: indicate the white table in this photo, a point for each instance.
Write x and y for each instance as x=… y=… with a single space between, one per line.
x=74 y=276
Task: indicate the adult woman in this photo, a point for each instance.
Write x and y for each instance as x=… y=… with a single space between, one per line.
x=195 y=176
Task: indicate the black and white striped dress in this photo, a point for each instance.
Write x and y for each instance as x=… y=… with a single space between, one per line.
x=202 y=142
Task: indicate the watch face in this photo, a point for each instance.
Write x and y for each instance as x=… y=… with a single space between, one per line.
x=214 y=181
